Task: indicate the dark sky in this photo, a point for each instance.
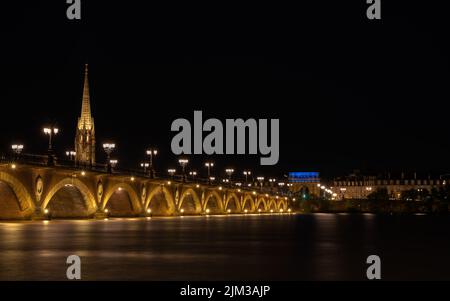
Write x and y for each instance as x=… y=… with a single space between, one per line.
x=350 y=93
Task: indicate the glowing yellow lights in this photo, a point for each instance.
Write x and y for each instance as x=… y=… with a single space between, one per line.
x=149 y=211
x=239 y=190
x=293 y=199
x=281 y=210
x=198 y=186
x=83 y=173
x=13 y=166
x=120 y=189
x=46 y=211
x=285 y=198
x=259 y=210
x=220 y=187
x=132 y=179
x=229 y=210
x=168 y=182
x=267 y=195
x=245 y=210
x=182 y=210
x=207 y=211
x=106 y=210
x=289 y=210
x=271 y=210
x=254 y=192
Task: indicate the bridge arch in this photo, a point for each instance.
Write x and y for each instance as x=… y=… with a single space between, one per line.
x=20 y=203
x=213 y=195
x=272 y=205
x=232 y=197
x=261 y=204
x=248 y=203
x=70 y=197
x=122 y=200
x=160 y=201
x=195 y=207
x=282 y=204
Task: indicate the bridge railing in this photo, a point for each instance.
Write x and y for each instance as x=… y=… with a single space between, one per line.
x=43 y=160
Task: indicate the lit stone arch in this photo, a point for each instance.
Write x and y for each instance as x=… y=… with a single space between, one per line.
x=88 y=196
x=282 y=204
x=167 y=196
x=132 y=194
x=23 y=196
x=219 y=201
x=248 y=198
x=271 y=205
x=236 y=200
x=258 y=203
x=197 y=202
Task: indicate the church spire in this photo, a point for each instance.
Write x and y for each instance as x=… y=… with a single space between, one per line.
x=86 y=104
x=85 y=136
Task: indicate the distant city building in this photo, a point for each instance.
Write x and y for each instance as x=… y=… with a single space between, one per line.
x=360 y=186
x=85 y=135
x=304 y=183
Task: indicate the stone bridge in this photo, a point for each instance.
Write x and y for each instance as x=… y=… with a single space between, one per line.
x=39 y=192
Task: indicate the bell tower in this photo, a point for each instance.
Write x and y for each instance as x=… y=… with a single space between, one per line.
x=85 y=135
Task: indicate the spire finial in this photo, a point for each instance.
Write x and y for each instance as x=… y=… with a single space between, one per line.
x=86 y=104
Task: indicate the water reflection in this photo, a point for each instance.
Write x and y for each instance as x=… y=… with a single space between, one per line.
x=245 y=247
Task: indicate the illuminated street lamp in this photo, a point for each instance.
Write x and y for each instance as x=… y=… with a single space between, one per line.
x=193 y=174
x=246 y=174
x=171 y=172
x=229 y=172
x=113 y=163
x=145 y=165
x=272 y=182
x=17 y=148
x=183 y=163
x=152 y=152
x=261 y=181
x=71 y=155
x=209 y=165
x=50 y=132
x=109 y=147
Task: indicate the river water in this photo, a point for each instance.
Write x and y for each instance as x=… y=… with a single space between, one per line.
x=242 y=247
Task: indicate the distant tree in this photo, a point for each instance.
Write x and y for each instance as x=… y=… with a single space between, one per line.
x=378 y=201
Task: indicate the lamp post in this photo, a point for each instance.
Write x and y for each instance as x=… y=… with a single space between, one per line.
x=17 y=149
x=152 y=152
x=209 y=165
x=193 y=174
x=50 y=132
x=171 y=172
x=113 y=163
x=246 y=174
x=261 y=181
x=108 y=147
x=71 y=155
x=281 y=186
x=229 y=172
x=183 y=163
x=145 y=165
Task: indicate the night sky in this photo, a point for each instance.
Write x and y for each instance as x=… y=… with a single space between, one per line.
x=350 y=93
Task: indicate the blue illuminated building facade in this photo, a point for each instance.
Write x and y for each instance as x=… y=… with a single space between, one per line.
x=304 y=177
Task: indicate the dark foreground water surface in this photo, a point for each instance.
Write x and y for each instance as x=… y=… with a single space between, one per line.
x=267 y=247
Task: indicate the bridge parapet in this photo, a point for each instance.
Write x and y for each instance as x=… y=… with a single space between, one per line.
x=39 y=191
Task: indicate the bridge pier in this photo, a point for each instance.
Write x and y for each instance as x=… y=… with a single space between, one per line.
x=39 y=214
x=100 y=215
